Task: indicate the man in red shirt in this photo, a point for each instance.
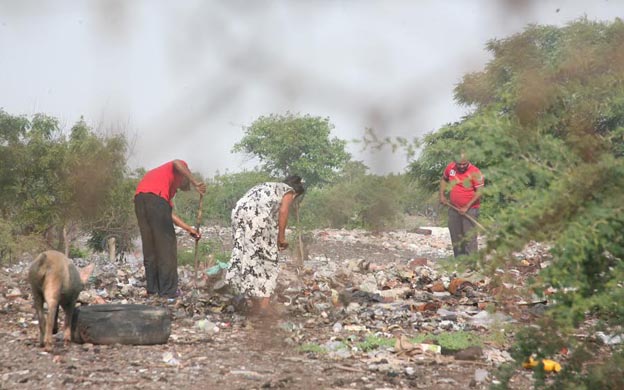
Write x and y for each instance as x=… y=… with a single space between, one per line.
x=466 y=181
x=154 y=210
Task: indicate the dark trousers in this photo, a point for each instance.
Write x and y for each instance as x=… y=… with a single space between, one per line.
x=160 y=252
x=463 y=232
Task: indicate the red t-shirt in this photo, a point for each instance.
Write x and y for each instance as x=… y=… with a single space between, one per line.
x=463 y=185
x=162 y=181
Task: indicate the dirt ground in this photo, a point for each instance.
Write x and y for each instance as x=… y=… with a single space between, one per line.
x=240 y=351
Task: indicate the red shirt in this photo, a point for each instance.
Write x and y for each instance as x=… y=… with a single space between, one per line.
x=162 y=181
x=463 y=185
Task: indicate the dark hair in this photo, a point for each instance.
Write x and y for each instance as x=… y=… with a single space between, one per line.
x=296 y=183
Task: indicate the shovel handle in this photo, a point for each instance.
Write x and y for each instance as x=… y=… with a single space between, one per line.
x=197 y=223
x=468 y=216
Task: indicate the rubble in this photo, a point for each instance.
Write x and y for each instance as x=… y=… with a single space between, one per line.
x=375 y=305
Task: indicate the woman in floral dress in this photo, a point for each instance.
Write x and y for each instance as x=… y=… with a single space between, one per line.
x=259 y=231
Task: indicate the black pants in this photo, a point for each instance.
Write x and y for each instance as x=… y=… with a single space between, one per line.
x=463 y=232
x=160 y=252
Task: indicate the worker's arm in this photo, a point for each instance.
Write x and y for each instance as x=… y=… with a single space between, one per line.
x=443 y=183
x=191 y=230
x=474 y=199
x=282 y=220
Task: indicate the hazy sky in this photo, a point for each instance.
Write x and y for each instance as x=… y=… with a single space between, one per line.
x=182 y=78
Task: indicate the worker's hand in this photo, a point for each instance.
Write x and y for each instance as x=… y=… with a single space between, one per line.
x=282 y=245
x=201 y=187
x=463 y=210
x=443 y=200
x=195 y=233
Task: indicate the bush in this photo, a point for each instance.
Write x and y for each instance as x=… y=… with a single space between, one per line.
x=205 y=248
x=221 y=196
x=546 y=131
x=77 y=253
x=12 y=244
x=367 y=201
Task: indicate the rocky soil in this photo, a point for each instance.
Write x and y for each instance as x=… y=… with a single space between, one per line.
x=364 y=311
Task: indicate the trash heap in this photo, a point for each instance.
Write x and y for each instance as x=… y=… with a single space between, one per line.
x=380 y=302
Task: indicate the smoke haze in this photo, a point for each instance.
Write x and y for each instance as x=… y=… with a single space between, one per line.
x=185 y=77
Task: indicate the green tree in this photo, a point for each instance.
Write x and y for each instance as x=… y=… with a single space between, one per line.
x=226 y=190
x=116 y=216
x=358 y=199
x=12 y=153
x=547 y=131
x=53 y=182
x=295 y=144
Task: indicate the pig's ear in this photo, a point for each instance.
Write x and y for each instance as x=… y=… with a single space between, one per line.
x=86 y=272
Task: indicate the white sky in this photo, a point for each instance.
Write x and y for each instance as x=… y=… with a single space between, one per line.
x=183 y=77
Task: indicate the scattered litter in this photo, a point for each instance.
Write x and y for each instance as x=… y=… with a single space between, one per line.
x=549 y=365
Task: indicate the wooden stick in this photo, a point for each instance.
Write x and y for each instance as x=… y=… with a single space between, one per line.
x=301 y=251
x=468 y=216
x=345 y=368
x=197 y=224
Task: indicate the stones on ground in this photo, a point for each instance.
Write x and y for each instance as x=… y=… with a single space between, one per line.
x=325 y=306
x=207 y=326
x=480 y=376
x=610 y=339
x=170 y=359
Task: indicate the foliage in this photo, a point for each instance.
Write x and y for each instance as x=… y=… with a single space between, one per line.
x=31 y=149
x=373 y=342
x=77 y=253
x=294 y=144
x=312 y=348
x=358 y=201
x=547 y=132
x=223 y=191
x=57 y=182
x=117 y=218
x=450 y=341
x=353 y=199
x=186 y=203
x=226 y=190
x=186 y=256
x=13 y=244
x=205 y=248
x=217 y=250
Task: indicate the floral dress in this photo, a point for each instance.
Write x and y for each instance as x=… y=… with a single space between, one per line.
x=253 y=268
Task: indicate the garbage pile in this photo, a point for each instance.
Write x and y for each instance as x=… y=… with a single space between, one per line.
x=379 y=300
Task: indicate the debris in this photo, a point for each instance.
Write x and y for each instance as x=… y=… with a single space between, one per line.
x=14 y=293
x=485 y=319
x=471 y=353
x=207 y=326
x=215 y=269
x=355 y=328
x=610 y=339
x=497 y=356
x=404 y=346
x=481 y=375
x=395 y=293
x=549 y=365
x=418 y=262
x=361 y=299
x=169 y=359
x=437 y=287
x=458 y=285
x=251 y=375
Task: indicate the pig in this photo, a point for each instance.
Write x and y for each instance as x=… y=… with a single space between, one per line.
x=56 y=281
